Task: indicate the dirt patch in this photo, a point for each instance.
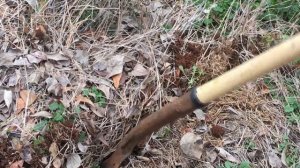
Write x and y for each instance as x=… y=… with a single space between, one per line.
x=186 y=53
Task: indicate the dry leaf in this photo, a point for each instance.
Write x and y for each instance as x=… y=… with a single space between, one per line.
x=106 y=90
x=201 y=128
x=57 y=57
x=26 y=154
x=99 y=66
x=32 y=3
x=16 y=144
x=208 y=165
x=44 y=114
x=63 y=80
x=115 y=65
x=40 y=31
x=82 y=56
x=26 y=134
x=7 y=95
x=73 y=161
x=274 y=160
x=13 y=80
x=226 y=155
x=145 y=159
x=102 y=139
x=36 y=75
x=139 y=70
x=212 y=155
x=283 y=156
x=21 y=62
x=155 y=151
x=28 y=96
x=57 y=163
x=116 y=79
x=2 y=117
x=39 y=55
x=20 y=104
x=17 y=164
x=53 y=86
x=53 y=149
x=199 y=114
x=1 y=96
x=7 y=58
x=192 y=145
x=99 y=111
x=81 y=99
x=44 y=160
x=82 y=148
x=32 y=59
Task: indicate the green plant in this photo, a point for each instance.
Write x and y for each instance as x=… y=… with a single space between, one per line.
x=58 y=110
x=40 y=126
x=292 y=153
x=292 y=109
x=167 y=27
x=96 y=95
x=77 y=109
x=39 y=140
x=243 y=164
x=249 y=144
x=195 y=75
x=38 y=145
x=164 y=132
x=95 y=165
x=291 y=105
x=287 y=10
x=272 y=88
x=82 y=136
x=218 y=12
x=228 y=164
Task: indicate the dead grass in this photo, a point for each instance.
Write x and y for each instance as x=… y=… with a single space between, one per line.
x=160 y=36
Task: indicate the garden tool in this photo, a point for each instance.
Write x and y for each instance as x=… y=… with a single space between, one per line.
x=200 y=96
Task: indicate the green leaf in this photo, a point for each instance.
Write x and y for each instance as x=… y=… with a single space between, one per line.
x=207 y=21
x=218 y=9
x=58 y=117
x=244 y=164
x=77 y=109
x=228 y=164
x=39 y=126
x=38 y=141
x=293 y=101
x=82 y=136
x=61 y=108
x=85 y=92
x=53 y=106
x=167 y=27
x=288 y=108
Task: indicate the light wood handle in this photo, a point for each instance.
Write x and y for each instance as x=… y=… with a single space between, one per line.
x=250 y=70
x=267 y=61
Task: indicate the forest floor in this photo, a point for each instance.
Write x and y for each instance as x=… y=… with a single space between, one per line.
x=77 y=75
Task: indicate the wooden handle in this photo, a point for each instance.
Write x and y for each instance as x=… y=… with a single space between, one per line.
x=250 y=70
x=273 y=58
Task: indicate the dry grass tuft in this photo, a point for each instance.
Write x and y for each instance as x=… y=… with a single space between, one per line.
x=105 y=38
